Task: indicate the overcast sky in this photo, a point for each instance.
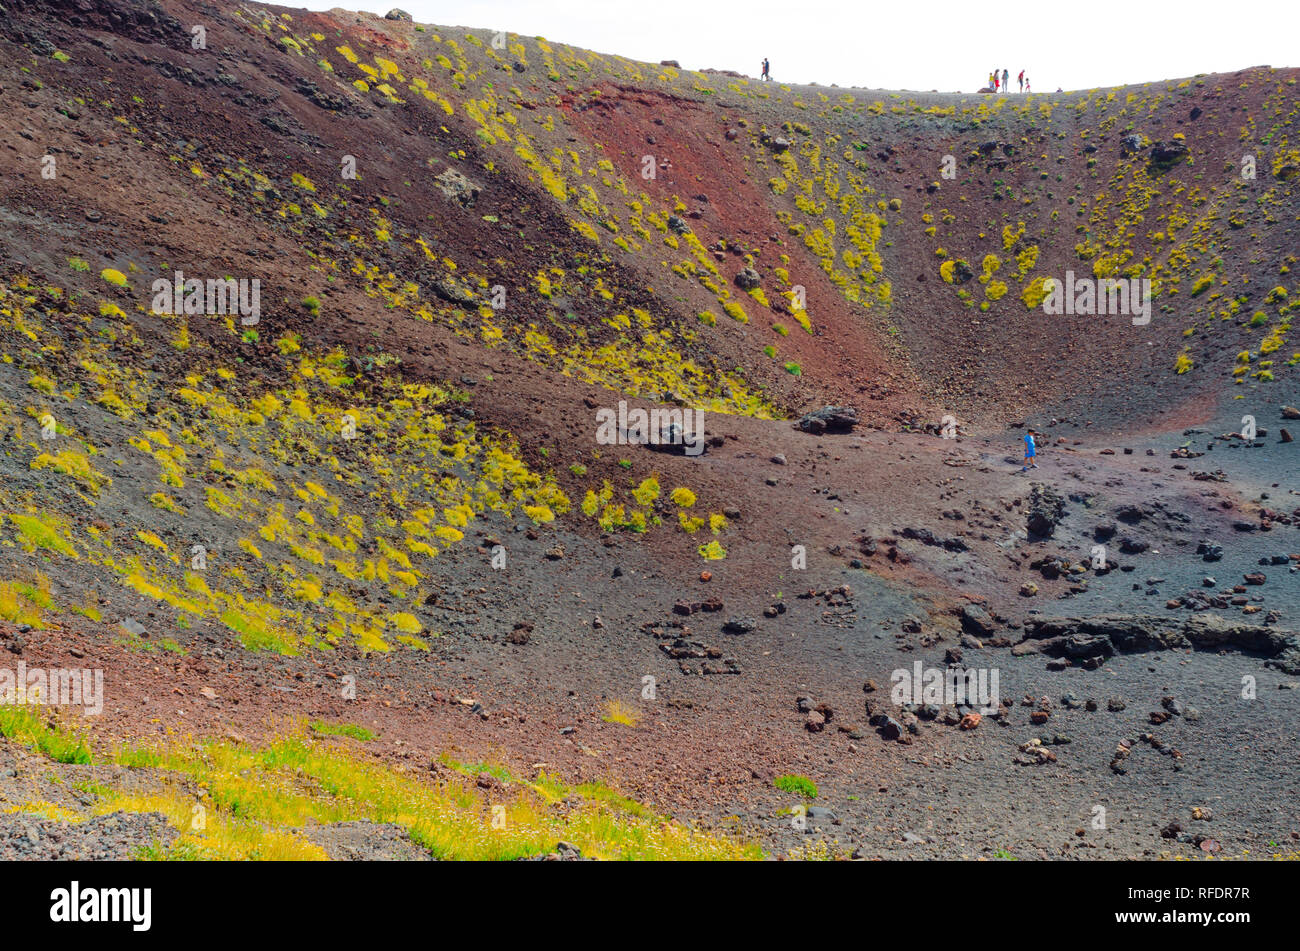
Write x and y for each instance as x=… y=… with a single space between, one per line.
x=921 y=45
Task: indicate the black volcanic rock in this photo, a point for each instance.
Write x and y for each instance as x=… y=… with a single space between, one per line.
x=1046 y=509
x=829 y=419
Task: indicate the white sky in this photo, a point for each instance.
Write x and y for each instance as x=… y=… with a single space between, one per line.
x=919 y=45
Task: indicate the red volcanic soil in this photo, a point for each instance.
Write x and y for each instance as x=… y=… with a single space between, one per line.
x=708 y=172
x=849 y=556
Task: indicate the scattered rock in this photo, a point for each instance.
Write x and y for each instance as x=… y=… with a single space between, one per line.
x=1035 y=754
x=891 y=729
x=1133 y=546
x=740 y=625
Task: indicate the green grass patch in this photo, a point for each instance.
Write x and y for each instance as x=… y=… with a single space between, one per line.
x=22 y=725
x=36 y=534
x=350 y=730
x=796 y=784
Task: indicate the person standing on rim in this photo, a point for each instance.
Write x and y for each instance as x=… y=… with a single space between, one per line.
x=1006 y=80
x=1022 y=80
x=766 y=66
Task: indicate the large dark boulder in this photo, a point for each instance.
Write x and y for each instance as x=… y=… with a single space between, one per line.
x=829 y=419
x=977 y=621
x=1046 y=509
x=1165 y=155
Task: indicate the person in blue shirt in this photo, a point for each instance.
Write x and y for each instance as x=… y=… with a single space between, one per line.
x=1031 y=451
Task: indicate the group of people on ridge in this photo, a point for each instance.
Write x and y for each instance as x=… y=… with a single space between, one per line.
x=1001 y=82
x=998 y=81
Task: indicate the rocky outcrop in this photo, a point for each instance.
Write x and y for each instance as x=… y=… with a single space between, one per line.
x=458 y=187
x=1132 y=144
x=829 y=419
x=976 y=621
x=450 y=291
x=1046 y=508
x=775 y=143
x=1165 y=155
x=1100 y=636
